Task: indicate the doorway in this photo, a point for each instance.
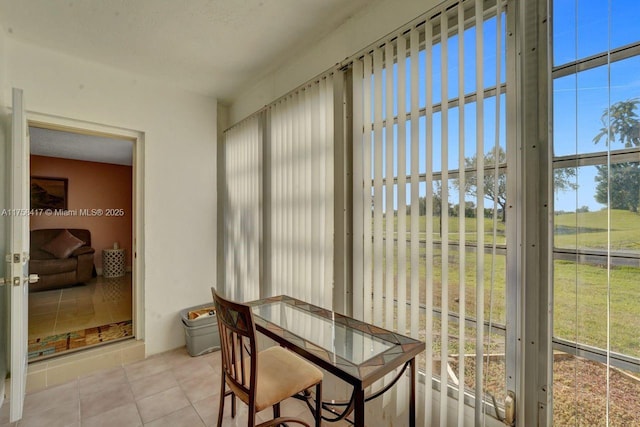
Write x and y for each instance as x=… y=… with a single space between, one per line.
x=82 y=184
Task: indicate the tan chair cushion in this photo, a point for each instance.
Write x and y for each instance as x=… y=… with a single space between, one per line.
x=281 y=374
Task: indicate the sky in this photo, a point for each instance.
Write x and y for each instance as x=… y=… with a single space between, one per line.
x=580 y=29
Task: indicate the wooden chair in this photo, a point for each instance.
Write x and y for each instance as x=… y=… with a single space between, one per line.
x=259 y=378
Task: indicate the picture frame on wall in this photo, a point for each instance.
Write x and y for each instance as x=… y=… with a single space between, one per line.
x=49 y=193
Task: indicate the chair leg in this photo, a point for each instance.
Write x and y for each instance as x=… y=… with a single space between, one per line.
x=276 y=410
x=318 y=404
x=221 y=409
x=251 y=418
x=233 y=405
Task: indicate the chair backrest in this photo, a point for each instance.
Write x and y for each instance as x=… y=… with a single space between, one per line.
x=238 y=345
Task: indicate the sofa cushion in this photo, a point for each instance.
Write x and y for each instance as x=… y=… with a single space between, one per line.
x=36 y=253
x=62 y=245
x=53 y=266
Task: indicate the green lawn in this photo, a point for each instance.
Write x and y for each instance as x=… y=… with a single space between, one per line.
x=589 y=230
x=470 y=229
x=583 y=293
x=580 y=290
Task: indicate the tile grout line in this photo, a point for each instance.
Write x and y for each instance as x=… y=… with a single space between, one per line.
x=77 y=381
x=55 y=323
x=135 y=401
x=190 y=402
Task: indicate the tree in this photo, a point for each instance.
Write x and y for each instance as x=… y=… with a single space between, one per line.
x=623 y=187
x=618 y=185
x=620 y=122
x=422 y=205
x=563 y=179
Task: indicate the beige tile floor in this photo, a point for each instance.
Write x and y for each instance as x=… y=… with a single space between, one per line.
x=99 y=302
x=171 y=389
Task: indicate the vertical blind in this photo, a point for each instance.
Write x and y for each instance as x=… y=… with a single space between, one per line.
x=281 y=243
x=301 y=193
x=242 y=210
x=429 y=172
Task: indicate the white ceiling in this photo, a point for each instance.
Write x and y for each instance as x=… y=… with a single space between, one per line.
x=213 y=47
x=68 y=145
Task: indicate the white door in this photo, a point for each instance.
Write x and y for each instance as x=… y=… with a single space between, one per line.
x=18 y=253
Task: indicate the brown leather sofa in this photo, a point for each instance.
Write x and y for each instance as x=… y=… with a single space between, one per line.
x=60 y=271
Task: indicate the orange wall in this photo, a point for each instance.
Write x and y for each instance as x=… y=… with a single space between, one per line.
x=91 y=186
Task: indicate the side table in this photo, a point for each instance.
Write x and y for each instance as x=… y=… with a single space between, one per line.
x=113 y=263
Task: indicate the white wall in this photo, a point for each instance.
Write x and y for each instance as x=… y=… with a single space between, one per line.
x=363 y=29
x=179 y=168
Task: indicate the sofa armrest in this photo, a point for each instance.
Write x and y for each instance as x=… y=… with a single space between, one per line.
x=85 y=266
x=82 y=250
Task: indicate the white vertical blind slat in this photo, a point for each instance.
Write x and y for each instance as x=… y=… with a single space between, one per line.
x=429 y=206
x=255 y=214
x=291 y=194
x=277 y=197
x=280 y=239
x=377 y=189
x=367 y=209
x=286 y=213
x=287 y=195
x=275 y=182
x=358 y=191
x=297 y=250
x=309 y=231
x=496 y=172
x=479 y=29
x=329 y=173
x=283 y=217
x=461 y=218
x=444 y=218
x=389 y=180
x=415 y=182
x=317 y=189
x=402 y=181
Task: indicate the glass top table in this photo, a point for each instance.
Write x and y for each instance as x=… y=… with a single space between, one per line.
x=356 y=352
x=340 y=340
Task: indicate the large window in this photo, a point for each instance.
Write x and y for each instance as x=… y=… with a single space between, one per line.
x=437 y=169
x=430 y=193
x=596 y=164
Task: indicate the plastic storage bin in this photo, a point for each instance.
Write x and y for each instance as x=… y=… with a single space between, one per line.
x=201 y=333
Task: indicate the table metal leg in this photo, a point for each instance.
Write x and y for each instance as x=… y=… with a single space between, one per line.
x=412 y=393
x=358 y=410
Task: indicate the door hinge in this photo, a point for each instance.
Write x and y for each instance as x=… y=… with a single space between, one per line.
x=2 y=281
x=17 y=259
x=17 y=281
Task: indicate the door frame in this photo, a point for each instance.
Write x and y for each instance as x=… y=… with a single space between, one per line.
x=18 y=252
x=51 y=122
